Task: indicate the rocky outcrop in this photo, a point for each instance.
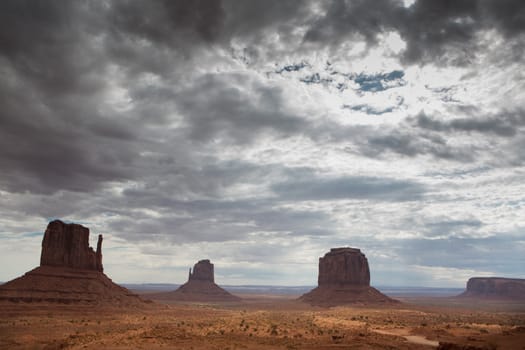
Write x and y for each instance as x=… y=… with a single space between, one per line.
x=495 y=287
x=202 y=271
x=63 y=285
x=70 y=272
x=344 y=266
x=200 y=287
x=67 y=245
x=344 y=277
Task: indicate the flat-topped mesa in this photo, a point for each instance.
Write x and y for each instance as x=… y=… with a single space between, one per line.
x=202 y=271
x=344 y=278
x=67 y=245
x=344 y=266
x=495 y=287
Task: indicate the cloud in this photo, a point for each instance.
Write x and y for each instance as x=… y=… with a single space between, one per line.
x=235 y=108
x=428 y=135
x=170 y=23
x=505 y=125
x=434 y=31
x=352 y=187
x=265 y=132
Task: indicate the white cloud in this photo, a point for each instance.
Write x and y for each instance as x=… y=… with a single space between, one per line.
x=179 y=149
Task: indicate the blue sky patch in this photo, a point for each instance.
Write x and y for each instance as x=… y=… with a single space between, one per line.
x=380 y=82
x=292 y=68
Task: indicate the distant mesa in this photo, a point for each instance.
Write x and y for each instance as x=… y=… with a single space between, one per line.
x=495 y=288
x=70 y=272
x=200 y=287
x=344 y=278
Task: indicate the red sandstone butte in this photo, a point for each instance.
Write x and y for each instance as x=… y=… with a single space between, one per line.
x=200 y=287
x=344 y=278
x=495 y=288
x=70 y=272
x=67 y=245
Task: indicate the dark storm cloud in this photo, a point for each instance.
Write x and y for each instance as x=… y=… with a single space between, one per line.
x=429 y=135
x=505 y=124
x=220 y=221
x=352 y=187
x=231 y=107
x=168 y=22
x=48 y=144
x=411 y=143
x=56 y=58
x=59 y=129
x=434 y=30
x=53 y=134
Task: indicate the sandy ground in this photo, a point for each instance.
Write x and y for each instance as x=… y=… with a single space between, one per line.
x=264 y=322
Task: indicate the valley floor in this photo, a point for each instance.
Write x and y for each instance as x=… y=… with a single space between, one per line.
x=264 y=322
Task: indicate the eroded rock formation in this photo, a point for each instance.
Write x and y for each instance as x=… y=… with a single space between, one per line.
x=495 y=287
x=202 y=271
x=70 y=272
x=67 y=245
x=200 y=287
x=344 y=277
x=344 y=266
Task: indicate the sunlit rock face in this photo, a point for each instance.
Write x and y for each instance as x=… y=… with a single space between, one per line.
x=344 y=266
x=67 y=245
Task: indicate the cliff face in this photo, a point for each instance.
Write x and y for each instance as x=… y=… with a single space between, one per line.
x=200 y=287
x=495 y=287
x=70 y=272
x=344 y=266
x=67 y=245
x=344 y=277
x=202 y=271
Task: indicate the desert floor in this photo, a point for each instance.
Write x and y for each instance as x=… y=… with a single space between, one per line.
x=265 y=322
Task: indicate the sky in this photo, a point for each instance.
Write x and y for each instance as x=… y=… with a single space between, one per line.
x=260 y=134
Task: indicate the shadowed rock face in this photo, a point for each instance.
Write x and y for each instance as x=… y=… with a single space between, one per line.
x=67 y=245
x=70 y=272
x=202 y=271
x=200 y=287
x=495 y=287
x=344 y=277
x=344 y=266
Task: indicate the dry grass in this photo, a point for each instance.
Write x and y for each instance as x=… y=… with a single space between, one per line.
x=258 y=323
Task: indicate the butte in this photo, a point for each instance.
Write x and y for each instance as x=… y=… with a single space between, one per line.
x=200 y=287
x=344 y=278
x=70 y=272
